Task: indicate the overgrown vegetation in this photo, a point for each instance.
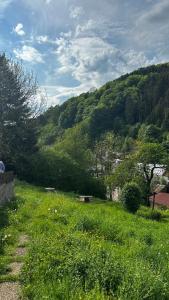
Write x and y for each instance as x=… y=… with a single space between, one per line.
x=124 y=106
x=90 y=251
x=82 y=139
x=95 y=129
x=131 y=197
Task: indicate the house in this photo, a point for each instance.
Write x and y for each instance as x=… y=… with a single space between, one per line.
x=116 y=194
x=161 y=200
x=160 y=197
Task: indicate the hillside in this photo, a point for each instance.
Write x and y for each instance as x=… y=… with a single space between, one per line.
x=120 y=106
x=85 y=251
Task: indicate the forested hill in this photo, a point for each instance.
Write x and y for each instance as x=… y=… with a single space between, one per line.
x=120 y=105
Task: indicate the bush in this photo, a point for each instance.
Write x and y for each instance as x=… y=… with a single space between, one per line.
x=156 y=216
x=47 y=168
x=131 y=197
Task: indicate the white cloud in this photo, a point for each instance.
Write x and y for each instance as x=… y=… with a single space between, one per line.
x=93 y=60
x=29 y=54
x=76 y=12
x=19 y=29
x=57 y=94
x=98 y=40
x=42 y=39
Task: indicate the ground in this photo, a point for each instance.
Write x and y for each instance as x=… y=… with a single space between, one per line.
x=55 y=247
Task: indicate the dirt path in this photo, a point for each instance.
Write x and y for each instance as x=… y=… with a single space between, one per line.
x=9 y=291
x=12 y=290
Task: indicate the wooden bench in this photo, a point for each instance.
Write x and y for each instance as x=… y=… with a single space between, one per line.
x=85 y=199
x=50 y=190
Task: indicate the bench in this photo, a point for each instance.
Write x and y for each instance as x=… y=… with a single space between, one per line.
x=51 y=190
x=85 y=199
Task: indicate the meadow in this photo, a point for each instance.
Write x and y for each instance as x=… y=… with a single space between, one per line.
x=85 y=251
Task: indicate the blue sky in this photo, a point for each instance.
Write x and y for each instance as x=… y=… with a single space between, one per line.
x=75 y=45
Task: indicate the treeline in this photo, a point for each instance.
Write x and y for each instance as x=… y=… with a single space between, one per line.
x=19 y=132
x=121 y=106
x=75 y=146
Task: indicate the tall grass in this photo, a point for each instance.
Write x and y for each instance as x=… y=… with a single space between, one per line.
x=90 y=251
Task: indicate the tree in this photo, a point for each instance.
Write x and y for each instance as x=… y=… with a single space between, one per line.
x=131 y=197
x=125 y=172
x=151 y=156
x=105 y=152
x=47 y=168
x=75 y=144
x=18 y=108
x=150 y=134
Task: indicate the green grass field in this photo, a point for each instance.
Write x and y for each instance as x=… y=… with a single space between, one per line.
x=86 y=251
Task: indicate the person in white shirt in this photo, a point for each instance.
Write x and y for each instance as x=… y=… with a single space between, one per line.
x=2 y=167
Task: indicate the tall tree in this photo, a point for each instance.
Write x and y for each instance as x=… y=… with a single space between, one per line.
x=17 y=110
x=150 y=157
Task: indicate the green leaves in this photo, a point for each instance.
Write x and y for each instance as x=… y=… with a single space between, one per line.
x=131 y=197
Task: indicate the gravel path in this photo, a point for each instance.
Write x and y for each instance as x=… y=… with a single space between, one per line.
x=15 y=268
x=9 y=291
x=20 y=251
x=12 y=290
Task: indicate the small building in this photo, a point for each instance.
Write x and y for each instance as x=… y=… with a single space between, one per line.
x=116 y=193
x=161 y=200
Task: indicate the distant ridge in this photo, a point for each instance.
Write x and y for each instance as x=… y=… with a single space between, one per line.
x=136 y=98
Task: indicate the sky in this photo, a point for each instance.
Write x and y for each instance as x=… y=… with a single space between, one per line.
x=73 y=46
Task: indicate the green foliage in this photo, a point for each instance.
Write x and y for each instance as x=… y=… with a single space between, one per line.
x=150 y=156
x=120 y=105
x=125 y=172
x=104 y=153
x=156 y=215
x=151 y=153
x=74 y=144
x=17 y=127
x=102 y=252
x=47 y=168
x=150 y=134
x=131 y=197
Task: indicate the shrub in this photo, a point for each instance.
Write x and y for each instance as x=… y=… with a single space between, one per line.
x=131 y=197
x=156 y=216
x=86 y=223
x=47 y=168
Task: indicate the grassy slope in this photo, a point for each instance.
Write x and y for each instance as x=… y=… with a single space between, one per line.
x=89 y=251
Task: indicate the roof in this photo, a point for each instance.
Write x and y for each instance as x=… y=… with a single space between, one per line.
x=161 y=199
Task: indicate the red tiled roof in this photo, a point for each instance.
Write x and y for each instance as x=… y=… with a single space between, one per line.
x=161 y=199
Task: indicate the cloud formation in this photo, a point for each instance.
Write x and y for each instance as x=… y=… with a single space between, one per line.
x=76 y=12
x=74 y=45
x=29 y=54
x=19 y=29
x=92 y=59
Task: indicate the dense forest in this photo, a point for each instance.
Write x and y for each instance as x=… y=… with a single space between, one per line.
x=76 y=146
x=121 y=106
